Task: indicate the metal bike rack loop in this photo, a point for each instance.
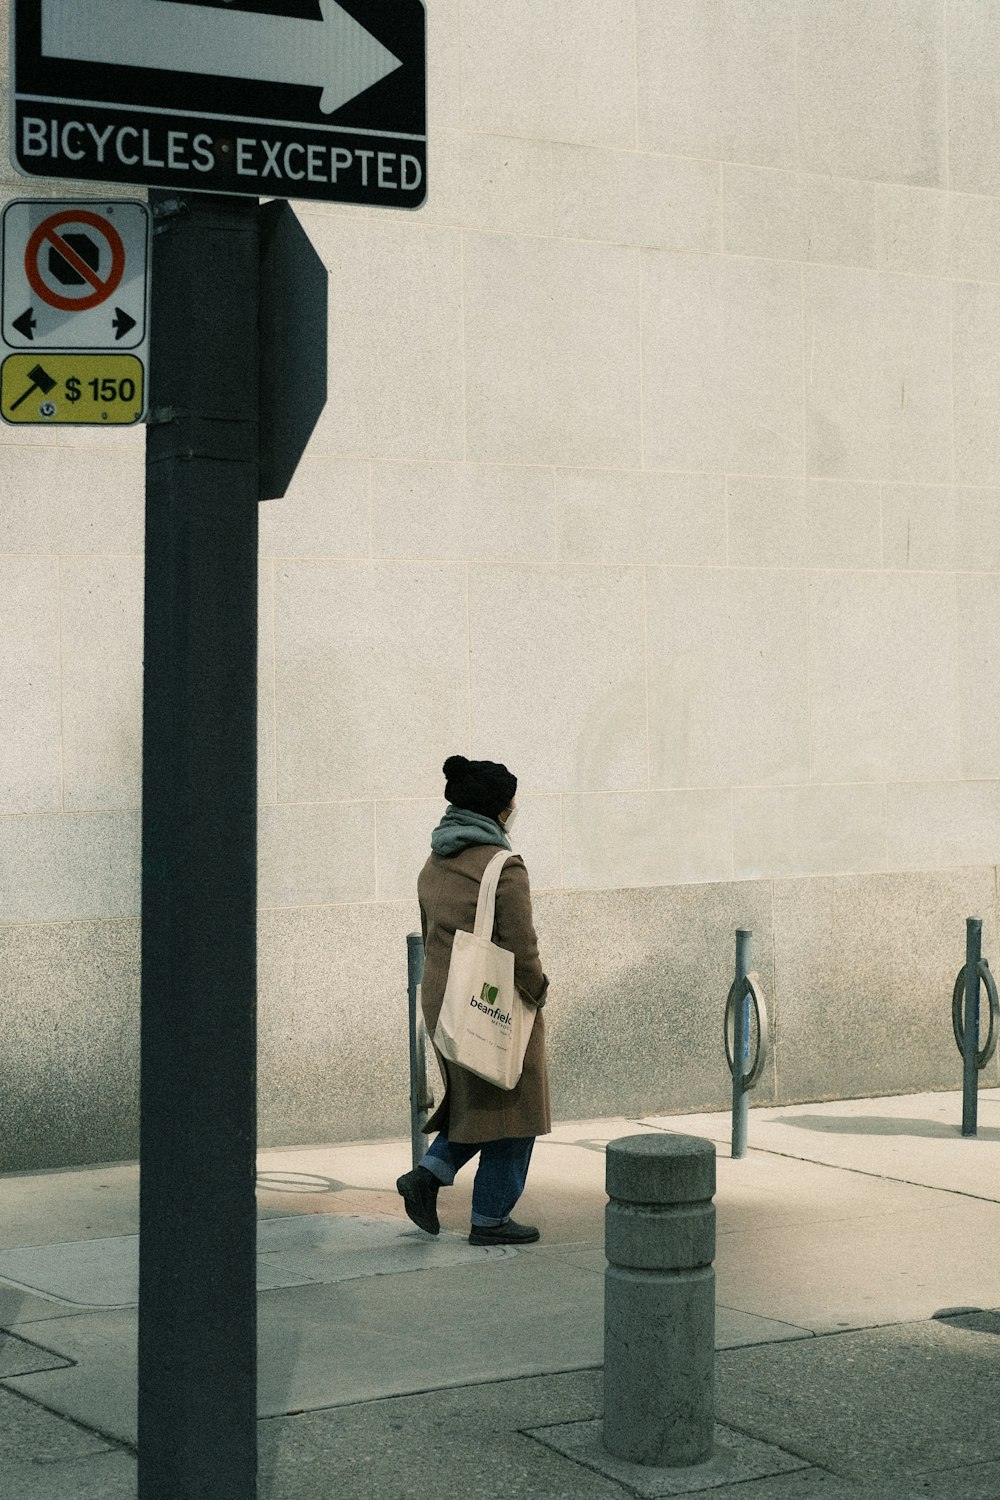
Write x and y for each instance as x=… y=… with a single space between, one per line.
x=965 y=1020
x=744 y=993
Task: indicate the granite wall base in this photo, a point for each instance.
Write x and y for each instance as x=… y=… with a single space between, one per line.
x=857 y=970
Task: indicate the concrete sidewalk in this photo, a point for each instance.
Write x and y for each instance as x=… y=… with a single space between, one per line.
x=396 y=1365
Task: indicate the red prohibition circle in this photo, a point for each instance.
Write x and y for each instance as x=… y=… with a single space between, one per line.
x=46 y=230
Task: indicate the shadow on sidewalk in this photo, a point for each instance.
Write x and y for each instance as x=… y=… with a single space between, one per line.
x=973 y=1320
x=880 y=1125
x=299 y=1182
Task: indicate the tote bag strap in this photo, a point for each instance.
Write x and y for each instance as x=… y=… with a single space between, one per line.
x=486 y=905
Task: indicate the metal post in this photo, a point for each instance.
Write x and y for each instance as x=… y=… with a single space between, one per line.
x=741 y=1045
x=420 y=1095
x=659 y=1300
x=197 y=1251
x=970 y=1037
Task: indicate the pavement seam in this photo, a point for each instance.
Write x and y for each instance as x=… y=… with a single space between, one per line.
x=433 y=1390
x=839 y=1333
x=812 y=1161
x=13 y=1333
x=810 y=1463
x=116 y=1443
x=877 y=1176
x=68 y=1362
x=806 y=1465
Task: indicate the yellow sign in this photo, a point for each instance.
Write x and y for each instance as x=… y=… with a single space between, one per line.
x=94 y=389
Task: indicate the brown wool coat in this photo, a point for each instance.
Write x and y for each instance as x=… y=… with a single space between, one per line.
x=448 y=888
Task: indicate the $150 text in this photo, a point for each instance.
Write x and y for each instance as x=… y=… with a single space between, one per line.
x=103 y=390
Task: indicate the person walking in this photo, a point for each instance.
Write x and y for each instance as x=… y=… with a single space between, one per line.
x=475 y=1116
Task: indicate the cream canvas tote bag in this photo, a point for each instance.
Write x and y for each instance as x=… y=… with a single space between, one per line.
x=484 y=1025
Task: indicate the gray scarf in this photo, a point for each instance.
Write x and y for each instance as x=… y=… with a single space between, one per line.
x=459 y=829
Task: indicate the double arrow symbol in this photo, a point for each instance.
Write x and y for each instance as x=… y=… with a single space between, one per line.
x=335 y=54
x=122 y=323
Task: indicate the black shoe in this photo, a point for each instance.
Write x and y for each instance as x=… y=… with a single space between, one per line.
x=419 y=1190
x=503 y=1234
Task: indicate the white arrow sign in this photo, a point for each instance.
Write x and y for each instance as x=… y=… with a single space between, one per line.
x=335 y=54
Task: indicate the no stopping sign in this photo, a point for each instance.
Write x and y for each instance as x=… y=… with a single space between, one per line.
x=74 y=260
x=75 y=274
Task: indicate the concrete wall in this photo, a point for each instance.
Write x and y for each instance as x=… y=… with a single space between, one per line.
x=660 y=462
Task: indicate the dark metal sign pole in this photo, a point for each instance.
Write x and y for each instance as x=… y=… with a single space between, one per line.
x=197 y=1300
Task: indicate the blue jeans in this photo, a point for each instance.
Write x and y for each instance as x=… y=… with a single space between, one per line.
x=503 y=1168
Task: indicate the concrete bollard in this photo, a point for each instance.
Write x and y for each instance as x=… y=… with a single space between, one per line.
x=659 y=1307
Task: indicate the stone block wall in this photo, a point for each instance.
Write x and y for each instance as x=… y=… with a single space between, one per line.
x=660 y=462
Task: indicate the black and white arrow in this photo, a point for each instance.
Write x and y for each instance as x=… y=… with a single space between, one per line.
x=122 y=323
x=26 y=324
x=335 y=54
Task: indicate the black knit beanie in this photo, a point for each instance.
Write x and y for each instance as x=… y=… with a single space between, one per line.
x=480 y=786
